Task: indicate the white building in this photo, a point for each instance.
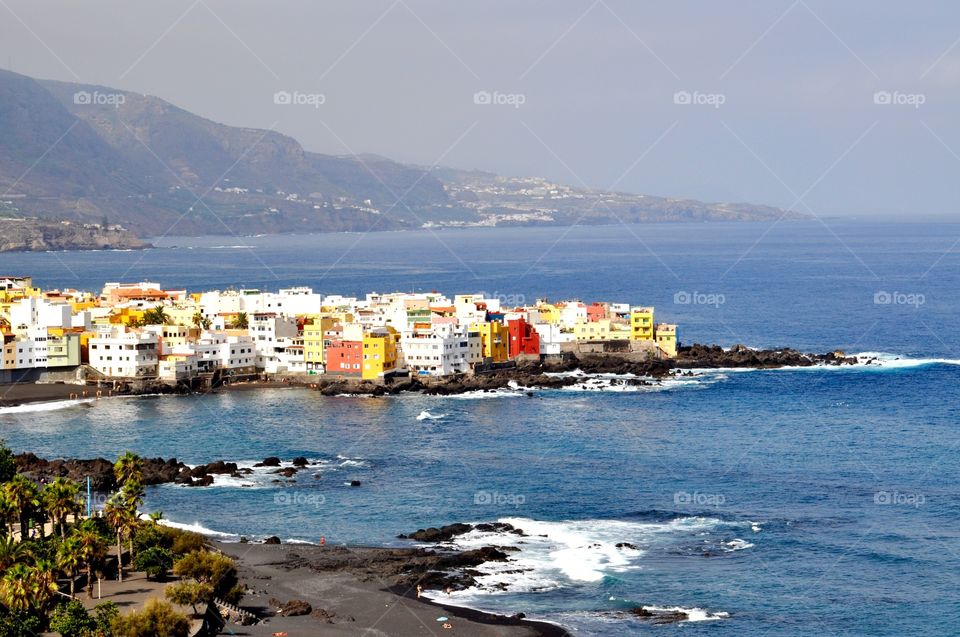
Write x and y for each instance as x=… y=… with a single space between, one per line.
x=266 y=328
x=124 y=354
x=441 y=349
x=218 y=350
x=288 y=357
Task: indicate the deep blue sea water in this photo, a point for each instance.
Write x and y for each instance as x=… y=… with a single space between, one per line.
x=786 y=502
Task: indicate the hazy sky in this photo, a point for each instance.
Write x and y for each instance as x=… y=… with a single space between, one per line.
x=787 y=91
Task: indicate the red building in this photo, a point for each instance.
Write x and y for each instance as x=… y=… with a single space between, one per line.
x=523 y=338
x=596 y=312
x=344 y=357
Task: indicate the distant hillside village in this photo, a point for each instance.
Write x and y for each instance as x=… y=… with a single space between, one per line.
x=142 y=332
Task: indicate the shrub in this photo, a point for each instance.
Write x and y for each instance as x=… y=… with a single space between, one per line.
x=155 y=562
x=148 y=536
x=187 y=542
x=190 y=593
x=211 y=568
x=157 y=618
x=19 y=624
x=71 y=619
x=106 y=613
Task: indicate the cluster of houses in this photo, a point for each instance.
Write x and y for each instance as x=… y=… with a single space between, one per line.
x=141 y=331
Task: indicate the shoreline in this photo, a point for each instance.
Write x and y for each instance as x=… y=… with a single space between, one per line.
x=523 y=375
x=357 y=589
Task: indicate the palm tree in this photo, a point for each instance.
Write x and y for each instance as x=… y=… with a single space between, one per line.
x=43 y=584
x=132 y=497
x=128 y=467
x=16 y=588
x=13 y=552
x=21 y=495
x=8 y=514
x=156 y=516
x=60 y=499
x=70 y=560
x=115 y=512
x=91 y=549
x=156 y=316
x=241 y=322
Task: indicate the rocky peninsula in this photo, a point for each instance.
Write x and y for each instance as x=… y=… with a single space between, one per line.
x=40 y=235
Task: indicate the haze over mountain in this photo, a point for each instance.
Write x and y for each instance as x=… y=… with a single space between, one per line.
x=98 y=155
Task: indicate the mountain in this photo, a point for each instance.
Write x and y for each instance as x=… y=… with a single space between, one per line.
x=99 y=156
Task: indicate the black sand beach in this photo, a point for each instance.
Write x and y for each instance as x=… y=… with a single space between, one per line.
x=354 y=591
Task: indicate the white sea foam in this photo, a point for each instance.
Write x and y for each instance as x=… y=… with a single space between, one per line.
x=558 y=554
x=426 y=415
x=196 y=527
x=480 y=393
x=738 y=545
x=52 y=405
x=267 y=477
x=693 y=614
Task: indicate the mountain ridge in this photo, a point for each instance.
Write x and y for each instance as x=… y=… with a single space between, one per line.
x=93 y=154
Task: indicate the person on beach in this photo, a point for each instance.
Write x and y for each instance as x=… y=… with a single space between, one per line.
x=419 y=590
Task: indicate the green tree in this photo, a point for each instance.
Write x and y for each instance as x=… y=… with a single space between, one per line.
x=187 y=542
x=70 y=560
x=13 y=552
x=8 y=466
x=27 y=588
x=207 y=567
x=190 y=593
x=157 y=618
x=43 y=584
x=20 y=624
x=155 y=562
x=61 y=499
x=92 y=549
x=21 y=494
x=155 y=316
x=128 y=467
x=72 y=619
x=16 y=588
x=105 y=614
x=118 y=515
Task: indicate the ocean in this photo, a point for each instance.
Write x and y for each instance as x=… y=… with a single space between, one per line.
x=806 y=501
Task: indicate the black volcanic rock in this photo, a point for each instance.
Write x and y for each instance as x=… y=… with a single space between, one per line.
x=443 y=534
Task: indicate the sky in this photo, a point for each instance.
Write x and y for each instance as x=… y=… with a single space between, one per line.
x=834 y=108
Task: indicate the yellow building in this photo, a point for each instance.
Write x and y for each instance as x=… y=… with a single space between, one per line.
x=314 y=340
x=641 y=324
x=379 y=353
x=126 y=316
x=549 y=313
x=667 y=339
x=602 y=330
x=496 y=339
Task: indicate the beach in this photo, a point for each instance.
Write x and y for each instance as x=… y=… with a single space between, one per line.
x=354 y=590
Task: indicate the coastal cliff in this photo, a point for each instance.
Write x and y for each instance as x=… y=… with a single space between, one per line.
x=37 y=235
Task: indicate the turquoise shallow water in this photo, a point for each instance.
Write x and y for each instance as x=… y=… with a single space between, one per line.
x=788 y=502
